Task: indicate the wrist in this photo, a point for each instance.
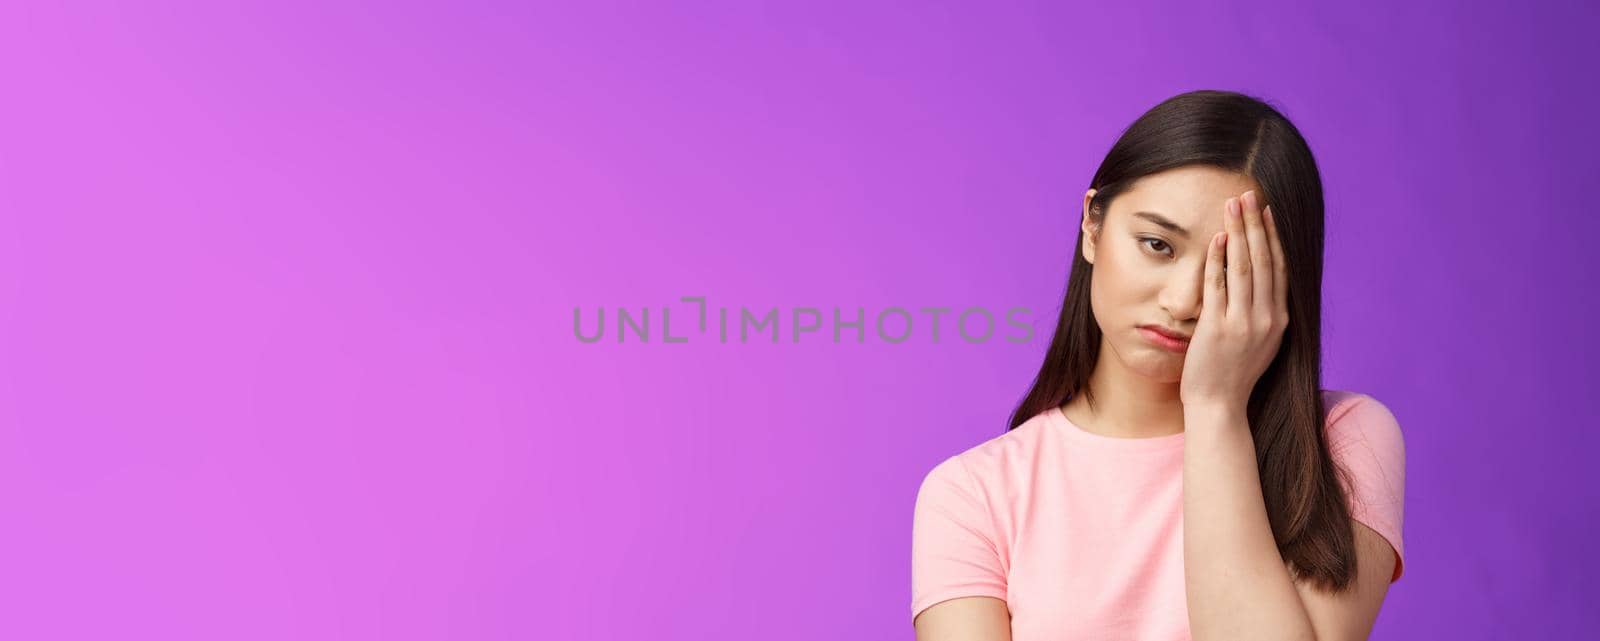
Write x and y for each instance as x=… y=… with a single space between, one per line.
x=1213 y=410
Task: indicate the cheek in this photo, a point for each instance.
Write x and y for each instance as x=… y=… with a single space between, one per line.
x=1121 y=288
x=1108 y=295
x=1139 y=274
x=1126 y=275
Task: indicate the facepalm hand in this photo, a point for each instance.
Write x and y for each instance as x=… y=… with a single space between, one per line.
x=1244 y=308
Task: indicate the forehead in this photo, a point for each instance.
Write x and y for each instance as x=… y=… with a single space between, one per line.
x=1191 y=196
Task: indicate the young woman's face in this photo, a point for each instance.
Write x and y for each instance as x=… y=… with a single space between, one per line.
x=1147 y=274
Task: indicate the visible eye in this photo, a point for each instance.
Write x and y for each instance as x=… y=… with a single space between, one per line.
x=1163 y=245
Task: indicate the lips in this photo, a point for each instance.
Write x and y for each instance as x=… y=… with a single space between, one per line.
x=1159 y=339
x=1166 y=332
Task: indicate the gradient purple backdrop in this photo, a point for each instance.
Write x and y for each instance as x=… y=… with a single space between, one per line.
x=288 y=295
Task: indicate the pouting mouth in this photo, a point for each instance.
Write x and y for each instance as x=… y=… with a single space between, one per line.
x=1177 y=336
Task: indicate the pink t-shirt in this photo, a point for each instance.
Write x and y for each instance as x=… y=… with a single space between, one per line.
x=1082 y=534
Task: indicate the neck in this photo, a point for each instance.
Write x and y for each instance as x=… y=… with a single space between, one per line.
x=1127 y=405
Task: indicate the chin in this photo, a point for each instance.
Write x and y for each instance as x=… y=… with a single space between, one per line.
x=1161 y=366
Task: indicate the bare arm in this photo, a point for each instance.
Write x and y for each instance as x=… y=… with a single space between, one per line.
x=1236 y=583
x=978 y=618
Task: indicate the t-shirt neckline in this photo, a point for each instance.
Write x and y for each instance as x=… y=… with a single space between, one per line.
x=1144 y=444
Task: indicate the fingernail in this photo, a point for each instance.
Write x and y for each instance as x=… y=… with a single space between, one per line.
x=1249 y=198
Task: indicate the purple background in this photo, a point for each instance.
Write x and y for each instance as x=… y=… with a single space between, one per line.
x=288 y=295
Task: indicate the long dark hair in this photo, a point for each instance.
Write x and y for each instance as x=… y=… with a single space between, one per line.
x=1304 y=497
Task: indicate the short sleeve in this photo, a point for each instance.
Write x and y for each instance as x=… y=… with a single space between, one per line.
x=953 y=551
x=1364 y=439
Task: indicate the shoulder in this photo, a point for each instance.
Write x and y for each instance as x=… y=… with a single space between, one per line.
x=1355 y=417
x=996 y=456
x=989 y=471
x=1338 y=402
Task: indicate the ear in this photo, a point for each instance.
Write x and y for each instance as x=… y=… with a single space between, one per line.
x=1090 y=231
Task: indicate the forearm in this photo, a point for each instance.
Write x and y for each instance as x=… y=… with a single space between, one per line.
x=1237 y=584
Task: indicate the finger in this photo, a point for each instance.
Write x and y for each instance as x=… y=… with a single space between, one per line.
x=1280 y=278
x=1260 y=256
x=1214 y=295
x=1238 y=261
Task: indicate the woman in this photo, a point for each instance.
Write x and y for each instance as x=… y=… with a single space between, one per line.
x=1176 y=471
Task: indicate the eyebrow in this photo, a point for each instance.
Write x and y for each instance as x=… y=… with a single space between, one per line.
x=1163 y=221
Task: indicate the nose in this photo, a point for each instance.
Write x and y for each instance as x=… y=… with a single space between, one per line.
x=1181 y=296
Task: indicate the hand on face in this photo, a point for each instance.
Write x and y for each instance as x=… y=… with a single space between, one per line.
x=1244 y=308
